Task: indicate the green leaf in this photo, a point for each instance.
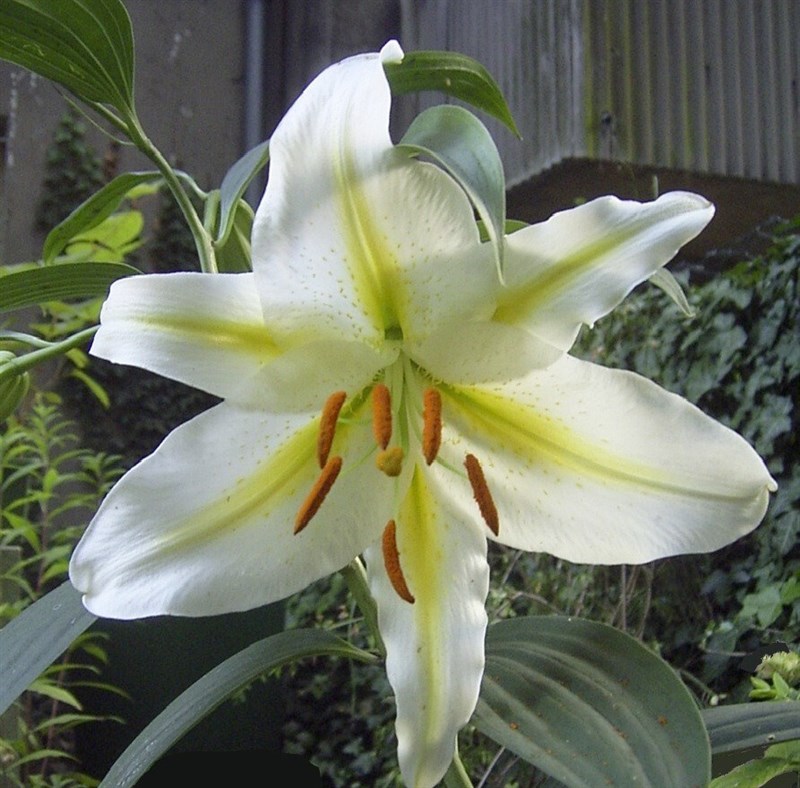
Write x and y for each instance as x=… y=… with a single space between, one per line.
x=754 y=774
x=93 y=211
x=59 y=282
x=665 y=280
x=85 y=45
x=54 y=691
x=789 y=750
x=234 y=184
x=37 y=637
x=234 y=255
x=743 y=725
x=590 y=705
x=110 y=242
x=456 y=139
x=454 y=74
x=218 y=684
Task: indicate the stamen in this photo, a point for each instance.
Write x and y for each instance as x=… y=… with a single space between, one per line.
x=431 y=424
x=390 y=461
x=381 y=415
x=481 y=492
x=391 y=559
x=327 y=425
x=322 y=486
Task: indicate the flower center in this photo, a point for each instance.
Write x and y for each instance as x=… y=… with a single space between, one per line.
x=389 y=460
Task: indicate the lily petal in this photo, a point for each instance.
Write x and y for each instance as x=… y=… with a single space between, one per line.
x=207 y=332
x=581 y=263
x=481 y=352
x=603 y=466
x=220 y=538
x=435 y=653
x=353 y=238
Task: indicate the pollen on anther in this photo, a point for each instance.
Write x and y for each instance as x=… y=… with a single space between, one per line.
x=327 y=425
x=431 y=424
x=381 y=415
x=391 y=559
x=322 y=486
x=480 y=489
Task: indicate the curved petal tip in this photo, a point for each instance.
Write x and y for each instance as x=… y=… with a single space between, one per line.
x=392 y=52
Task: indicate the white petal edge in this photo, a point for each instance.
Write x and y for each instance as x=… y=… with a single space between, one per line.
x=579 y=264
x=435 y=646
x=602 y=466
x=205 y=525
x=204 y=330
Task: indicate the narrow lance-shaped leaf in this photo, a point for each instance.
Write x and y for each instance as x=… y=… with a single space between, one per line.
x=84 y=45
x=234 y=184
x=94 y=210
x=665 y=280
x=590 y=705
x=234 y=255
x=37 y=637
x=59 y=282
x=743 y=725
x=454 y=74
x=207 y=693
x=458 y=141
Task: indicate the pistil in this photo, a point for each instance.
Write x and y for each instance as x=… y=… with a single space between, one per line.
x=322 y=486
x=391 y=559
x=327 y=425
x=431 y=424
x=480 y=489
x=381 y=415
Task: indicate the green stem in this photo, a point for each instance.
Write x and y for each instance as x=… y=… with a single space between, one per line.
x=355 y=576
x=202 y=240
x=456 y=776
x=29 y=360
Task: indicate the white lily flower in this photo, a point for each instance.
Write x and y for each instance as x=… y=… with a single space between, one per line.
x=384 y=395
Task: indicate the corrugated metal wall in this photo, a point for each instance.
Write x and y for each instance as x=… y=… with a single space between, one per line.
x=705 y=85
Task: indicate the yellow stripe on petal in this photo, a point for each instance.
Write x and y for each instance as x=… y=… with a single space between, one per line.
x=285 y=473
x=538 y=438
x=370 y=260
x=249 y=338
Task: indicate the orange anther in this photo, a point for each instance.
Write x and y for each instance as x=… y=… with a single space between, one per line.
x=322 y=486
x=327 y=425
x=431 y=424
x=391 y=559
x=481 y=492
x=381 y=415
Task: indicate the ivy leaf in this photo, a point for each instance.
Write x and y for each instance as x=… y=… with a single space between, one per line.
x=460 y=143
x=84 y=45
x=590 y=705
x=452 y=73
